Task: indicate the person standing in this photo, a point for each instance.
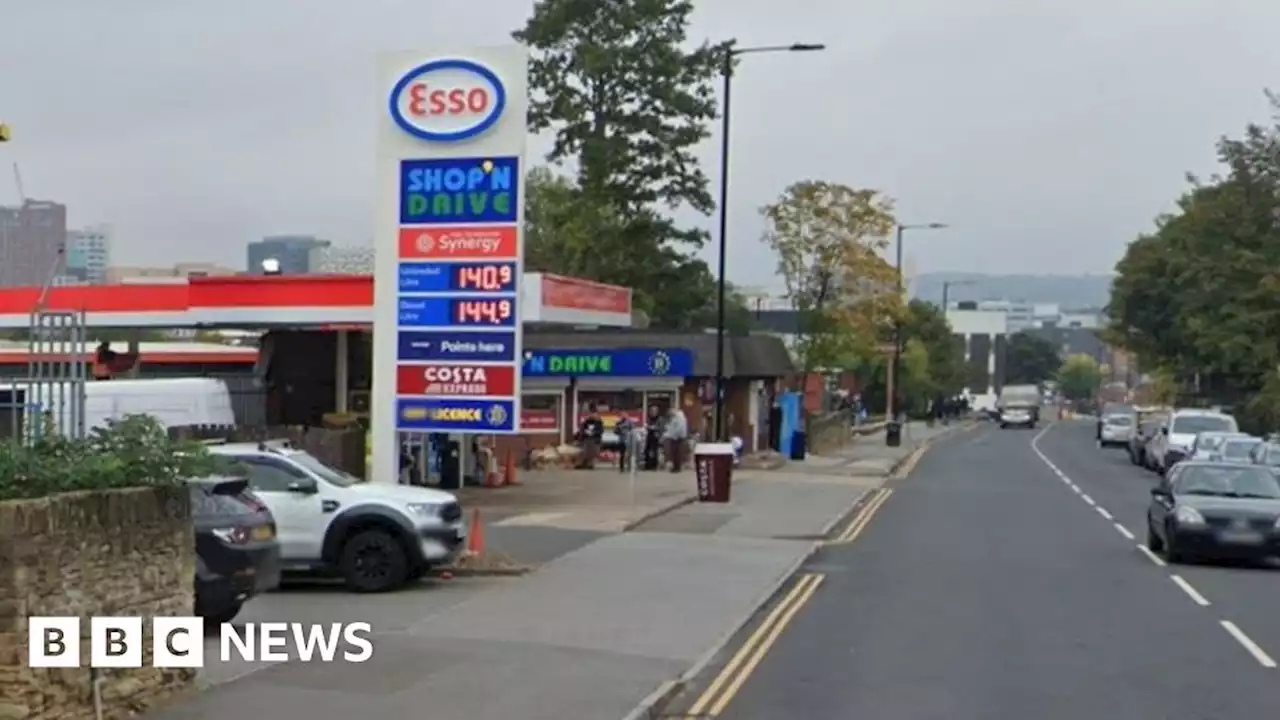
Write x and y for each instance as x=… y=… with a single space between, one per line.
x=625 y=431
x=652 y=438
x=675 y=435
x=592 y=432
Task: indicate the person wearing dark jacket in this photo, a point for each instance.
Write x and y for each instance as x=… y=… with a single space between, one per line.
x=591 y=434
x=652 y=438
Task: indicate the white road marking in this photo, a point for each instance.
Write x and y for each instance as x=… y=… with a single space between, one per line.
x=1103 y=512
x=1195 y=595
x=1077 y=489
x=1258 y=653
x=1088 y=499
x=1151 y=556
x=1124 y=531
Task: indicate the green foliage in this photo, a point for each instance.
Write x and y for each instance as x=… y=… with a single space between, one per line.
x=1030 y=360
x=133 y=452
x=627 y=105
x=927 y=323
x=1079 y=377
x=1201 y=295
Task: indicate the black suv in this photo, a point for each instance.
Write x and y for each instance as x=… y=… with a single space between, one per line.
x=237 y=556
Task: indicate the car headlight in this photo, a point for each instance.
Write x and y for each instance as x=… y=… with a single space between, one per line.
x=1188 y=516
x=425 y=509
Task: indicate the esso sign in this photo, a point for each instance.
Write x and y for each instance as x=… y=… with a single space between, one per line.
x=447 y=100
x=463 y=375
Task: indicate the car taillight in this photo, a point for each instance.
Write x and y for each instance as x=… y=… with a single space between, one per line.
x=232 y=536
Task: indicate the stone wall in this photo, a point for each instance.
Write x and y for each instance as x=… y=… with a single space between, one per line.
x=119 y=552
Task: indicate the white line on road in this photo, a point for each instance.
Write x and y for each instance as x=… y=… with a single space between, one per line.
x=1151 y=556
x=1124 y=531
x=1258 y=653
x=1195 y=595
x=1088 y=499
x=1103 y=512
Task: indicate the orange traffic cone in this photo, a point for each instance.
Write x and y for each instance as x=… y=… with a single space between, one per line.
x=509 y=471
x=475 y=539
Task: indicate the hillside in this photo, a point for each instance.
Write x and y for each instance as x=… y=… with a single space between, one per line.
x=1069 y=291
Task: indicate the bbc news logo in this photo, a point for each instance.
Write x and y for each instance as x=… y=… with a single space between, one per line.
x=178 y=642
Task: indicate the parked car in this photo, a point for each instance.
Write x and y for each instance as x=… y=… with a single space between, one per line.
x=1116 y=430
x=1173 y=443
x=237 y=556
x=1266 y=453
x=375 y=535
x=1237 y=449
x=1214 y=509
x=1207 y=444
x=1148 y=425
x=1109 y=409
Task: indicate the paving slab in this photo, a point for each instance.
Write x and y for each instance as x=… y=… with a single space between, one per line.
x=589 y=635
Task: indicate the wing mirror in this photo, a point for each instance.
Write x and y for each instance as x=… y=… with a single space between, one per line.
x=1161 y=493
x=304 y=487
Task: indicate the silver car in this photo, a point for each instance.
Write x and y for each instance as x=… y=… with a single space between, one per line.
x=1236 y=449
x=1207 y=444
x=1117 y=429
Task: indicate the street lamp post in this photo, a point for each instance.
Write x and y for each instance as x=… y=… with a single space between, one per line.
x=946 y=291
x=891 y=400
x=726 y=72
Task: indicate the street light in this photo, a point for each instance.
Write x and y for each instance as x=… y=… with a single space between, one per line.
x=946 y=290
x=891 y=400
x=726 y=72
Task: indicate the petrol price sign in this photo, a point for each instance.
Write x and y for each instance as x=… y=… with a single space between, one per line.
x=451 y=138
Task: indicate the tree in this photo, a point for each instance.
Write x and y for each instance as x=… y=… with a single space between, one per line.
x=918 y=386
x=828 y=239
x=1199 y=298
x=925 y=322
x=1079 y=377
x=1029 y=359
x=627 y=105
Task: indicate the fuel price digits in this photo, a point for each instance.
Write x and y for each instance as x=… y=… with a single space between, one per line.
x=484 y=312
x=486 y=277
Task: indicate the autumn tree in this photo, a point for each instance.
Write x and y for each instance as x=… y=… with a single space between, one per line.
x=829 y=239
x=627 y=101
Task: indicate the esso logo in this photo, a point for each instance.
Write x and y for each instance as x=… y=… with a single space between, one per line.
x=447 y=100
x=454 y=375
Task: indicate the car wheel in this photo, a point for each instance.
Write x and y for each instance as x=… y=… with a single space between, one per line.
x=1171 y=553
x=373 y=561
x=1154 y=543
x=222 y=616
x=1004 y=426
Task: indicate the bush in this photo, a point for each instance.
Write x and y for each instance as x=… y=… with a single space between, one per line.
x=133 y=452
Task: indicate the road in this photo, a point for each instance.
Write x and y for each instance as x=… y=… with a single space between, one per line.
x=986 y=585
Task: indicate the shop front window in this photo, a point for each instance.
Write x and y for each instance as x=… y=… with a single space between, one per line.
x=612 y=406
x=540 y=412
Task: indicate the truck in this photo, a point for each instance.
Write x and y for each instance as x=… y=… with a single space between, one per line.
x=1019 y=405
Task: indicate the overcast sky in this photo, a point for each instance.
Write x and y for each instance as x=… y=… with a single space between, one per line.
x=1046 y=137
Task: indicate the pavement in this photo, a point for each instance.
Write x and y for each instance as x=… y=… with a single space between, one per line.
x=590 y=634
x=1003 y=578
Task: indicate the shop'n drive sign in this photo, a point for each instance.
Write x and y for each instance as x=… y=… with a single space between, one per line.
x=447 y=340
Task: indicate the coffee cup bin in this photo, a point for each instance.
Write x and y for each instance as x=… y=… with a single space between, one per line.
x=713 y=466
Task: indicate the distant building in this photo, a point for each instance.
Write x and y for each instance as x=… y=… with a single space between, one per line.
x=341 y=260
x=118 y=275
x=984 y=334
x=293 y=253
x=32 y=239
x=88 y=254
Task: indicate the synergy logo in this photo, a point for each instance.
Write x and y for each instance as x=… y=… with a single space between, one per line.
x=447 y=100
x=117 y=642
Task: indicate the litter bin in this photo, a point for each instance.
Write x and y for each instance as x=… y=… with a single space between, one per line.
x=799 y=444
x=893 y=434
x=713 y=465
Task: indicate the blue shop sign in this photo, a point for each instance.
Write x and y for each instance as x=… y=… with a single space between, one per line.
x=455 y=415
x=619 y=362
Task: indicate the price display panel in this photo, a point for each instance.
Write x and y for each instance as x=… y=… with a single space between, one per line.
x=479 y=277
x=457 y=312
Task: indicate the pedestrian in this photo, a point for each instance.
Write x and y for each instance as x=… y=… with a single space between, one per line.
x=652 y=438
x=591 y=433
x=674 y=436
x=625 y=430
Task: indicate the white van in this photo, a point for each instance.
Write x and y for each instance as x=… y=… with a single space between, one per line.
x=174 y=402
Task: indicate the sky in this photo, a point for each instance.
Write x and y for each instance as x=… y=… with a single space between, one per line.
x=1046 y=137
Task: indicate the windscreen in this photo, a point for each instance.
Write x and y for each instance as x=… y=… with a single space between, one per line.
x=1238 y=481
x=1196 y=424
x=207 y=503
x=1238 y=449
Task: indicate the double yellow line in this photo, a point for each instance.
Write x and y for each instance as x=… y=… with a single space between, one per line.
x=730 y=680
x=863 y=517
